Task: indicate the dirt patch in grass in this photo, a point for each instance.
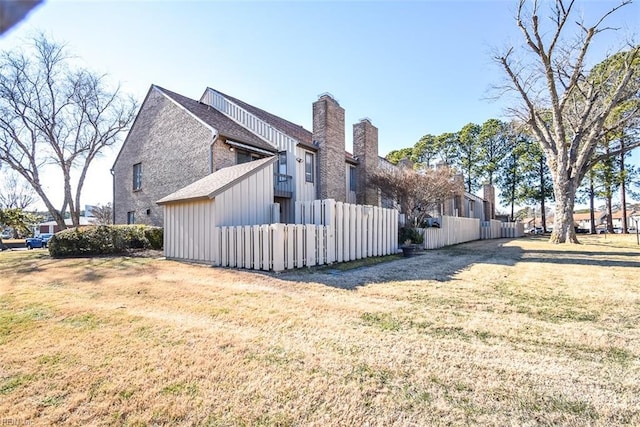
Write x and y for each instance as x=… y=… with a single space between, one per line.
x=493 y=333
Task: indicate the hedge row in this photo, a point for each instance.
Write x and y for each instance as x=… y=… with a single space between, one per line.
x=104 y=240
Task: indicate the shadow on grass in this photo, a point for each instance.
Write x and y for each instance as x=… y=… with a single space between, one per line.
x=440 y=265
x=581 y=257
x=444 y=264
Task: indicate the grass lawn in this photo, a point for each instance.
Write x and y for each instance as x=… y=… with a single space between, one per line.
x=505 y=332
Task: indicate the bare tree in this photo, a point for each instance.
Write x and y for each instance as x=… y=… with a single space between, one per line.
x=53 y=114
x=15 y=192
x=418 y=193
x=567 y=109
x=103 y=214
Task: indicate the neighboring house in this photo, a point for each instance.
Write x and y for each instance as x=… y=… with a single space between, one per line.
x=175 y=141
x=583 y=219
x=52 y=226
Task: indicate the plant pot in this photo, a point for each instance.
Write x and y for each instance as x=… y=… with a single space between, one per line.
x=409 y=250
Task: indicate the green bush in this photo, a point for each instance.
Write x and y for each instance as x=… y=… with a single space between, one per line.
x=408 y=233
x=104 y=240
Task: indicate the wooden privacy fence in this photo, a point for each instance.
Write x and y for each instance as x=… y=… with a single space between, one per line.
x=274 y=246
x=497 y=229
x=453 y=230
x=326 y=231
x=511 y=229
x=490 y=229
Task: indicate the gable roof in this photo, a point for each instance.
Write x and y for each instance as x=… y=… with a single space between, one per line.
x=215 y=119
x=212 y=185
x=303 y=136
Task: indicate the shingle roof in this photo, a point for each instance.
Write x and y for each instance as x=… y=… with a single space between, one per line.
x=212 y=185
x=293 y=130
x=212 y=117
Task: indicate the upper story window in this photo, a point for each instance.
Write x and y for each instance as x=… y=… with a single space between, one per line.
x=352 y=178
x=137 y=176
x=282 y=163
x=309 y=167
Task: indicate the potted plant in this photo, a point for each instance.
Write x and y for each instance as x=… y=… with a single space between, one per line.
x=411 y=239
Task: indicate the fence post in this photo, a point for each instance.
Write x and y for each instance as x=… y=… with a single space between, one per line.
x=310 y=231
x=330 y=222
x=317 y=212
x=351 y=236
x=339 y=232
x=257 y=246
x=277 y=243
x=300 y=248
x=290 y=247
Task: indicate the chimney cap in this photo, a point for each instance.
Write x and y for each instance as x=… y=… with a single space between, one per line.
x=366 y=119
x=327 y=95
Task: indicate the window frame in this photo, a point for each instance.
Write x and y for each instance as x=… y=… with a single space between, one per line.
x=137 y=177
x=352 y=178
x=309 y=167
x=131 y=217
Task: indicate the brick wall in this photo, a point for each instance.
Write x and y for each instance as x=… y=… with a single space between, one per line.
x=365 y=149
x=165 y=139
x=328 y=133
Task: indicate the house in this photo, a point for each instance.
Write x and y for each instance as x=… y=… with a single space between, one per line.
x=52 y=226
x=175 y=141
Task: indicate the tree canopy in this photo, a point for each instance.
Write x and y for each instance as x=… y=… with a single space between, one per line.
x=567 y=107
x=56 y=116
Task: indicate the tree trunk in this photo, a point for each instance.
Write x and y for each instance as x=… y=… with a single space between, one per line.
x=565 y=193
x=623 y=190
x=543 y=196
x=592 y=202
x=609 y=214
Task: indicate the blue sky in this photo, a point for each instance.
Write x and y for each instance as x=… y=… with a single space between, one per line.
x=412 y=67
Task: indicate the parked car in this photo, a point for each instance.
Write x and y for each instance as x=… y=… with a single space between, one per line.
x=40 y=241
x=535 y=230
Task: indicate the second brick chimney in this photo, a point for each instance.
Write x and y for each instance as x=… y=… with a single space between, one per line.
x=328 y=135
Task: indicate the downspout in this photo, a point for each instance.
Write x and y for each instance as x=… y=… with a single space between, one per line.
x=214 y=137
x=113 y=196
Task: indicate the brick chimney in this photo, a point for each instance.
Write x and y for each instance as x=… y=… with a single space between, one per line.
x=365 y=150
x=328 y=134
x=489 y=196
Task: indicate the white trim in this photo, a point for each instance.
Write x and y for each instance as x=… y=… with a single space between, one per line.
x=250 y=148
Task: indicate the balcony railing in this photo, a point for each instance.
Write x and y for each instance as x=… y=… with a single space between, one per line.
x=282 y=185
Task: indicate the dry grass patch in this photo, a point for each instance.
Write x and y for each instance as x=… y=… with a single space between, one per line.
x=493 y=333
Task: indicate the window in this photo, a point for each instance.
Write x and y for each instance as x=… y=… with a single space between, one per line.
x=137 y=176
x=281 y=171
x=131 y=217
x=245 y=156
x=352 y=178
x=282 y=163
x=309 y=167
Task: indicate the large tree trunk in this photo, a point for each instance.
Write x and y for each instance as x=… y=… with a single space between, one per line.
x=565 y=192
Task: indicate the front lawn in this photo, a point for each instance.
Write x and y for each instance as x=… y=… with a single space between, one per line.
x=498 y=332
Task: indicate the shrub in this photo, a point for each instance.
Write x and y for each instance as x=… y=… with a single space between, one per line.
x=104 y=240
x=408 y=233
